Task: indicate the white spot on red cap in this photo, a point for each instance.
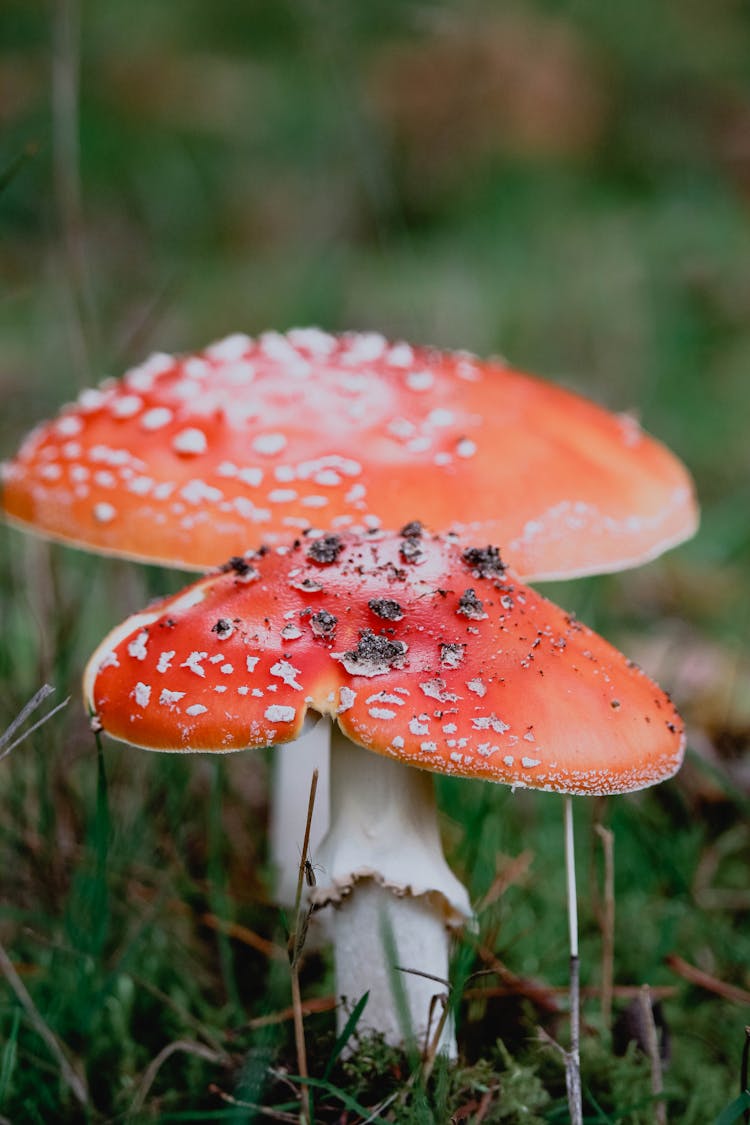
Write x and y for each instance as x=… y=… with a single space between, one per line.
x=269 y=444
x=137 y=647
x=490 y=722
x=346 y=700
x=170 y=698
x=196 y=709
x=465 y=447
x=196 y=368
x=400 y=355
x=287 y=673
x=312 y=340
x=126 y=406
x=440 y=417
x=91 y=399
x=194 y=663
x=278 y=713
x=190 y=442
x=355 y=493
x=381 y=713
x=251 y=476
x=436 y=689
x=420 y=380
x=231 y=347
x=104 y=513
x=68 y=426
x=156 y=418
x=198 y=492
x=142 y=693
x=385 y=697
x=140 y=486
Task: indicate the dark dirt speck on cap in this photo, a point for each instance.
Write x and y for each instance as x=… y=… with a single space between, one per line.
x=386 y=608
x=325 y=550
x=471 y=606
x=222 y=628
x=240 y=566
x=412 y=530
x=373 y=656
x=323 y=624
x=485 y=562
x=451 y=655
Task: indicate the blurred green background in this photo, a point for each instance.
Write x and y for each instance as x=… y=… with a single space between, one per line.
x=567 y=184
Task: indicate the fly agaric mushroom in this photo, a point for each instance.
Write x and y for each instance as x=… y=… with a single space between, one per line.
x=431 y=657
x=188 y=460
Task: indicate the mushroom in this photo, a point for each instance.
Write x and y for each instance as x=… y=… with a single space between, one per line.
x=431 y=656
x=189 y=460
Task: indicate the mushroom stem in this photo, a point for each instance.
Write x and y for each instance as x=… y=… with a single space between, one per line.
x=294 y=765
x=573 y=1059
x=395 y=896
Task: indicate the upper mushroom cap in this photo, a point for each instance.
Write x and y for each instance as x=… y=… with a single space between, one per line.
x=188 y=460
x=417 y=647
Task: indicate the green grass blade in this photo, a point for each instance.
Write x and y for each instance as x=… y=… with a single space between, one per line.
x=9 y=1056
x=346 y=1033
x=11 y=170
x=346 y=1099
x=734 y=1111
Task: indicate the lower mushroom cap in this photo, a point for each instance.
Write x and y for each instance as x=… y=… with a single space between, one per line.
x=501 y=684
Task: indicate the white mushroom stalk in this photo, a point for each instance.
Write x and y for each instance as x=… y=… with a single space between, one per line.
x=425 y=657
x=293 y=768
x=382 y=866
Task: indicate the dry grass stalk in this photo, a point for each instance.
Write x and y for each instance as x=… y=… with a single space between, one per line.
x=263 y=1110
x=189 y=1046
x=36 y=700
x=317 y=1004
x=75 y=1082
x=245 y=935
x=539 y=995
x=510 y=873
x=296 y=942
x=654 y=1054
x=696 y=976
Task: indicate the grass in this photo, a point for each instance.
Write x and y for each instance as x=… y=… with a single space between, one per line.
x=259 y=165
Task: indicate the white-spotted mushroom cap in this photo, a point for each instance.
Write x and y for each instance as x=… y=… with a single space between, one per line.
x=189 y=460
x=418 y=647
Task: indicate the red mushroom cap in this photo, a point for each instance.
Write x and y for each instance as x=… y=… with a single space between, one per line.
x=418 y=648
x=189 y=460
